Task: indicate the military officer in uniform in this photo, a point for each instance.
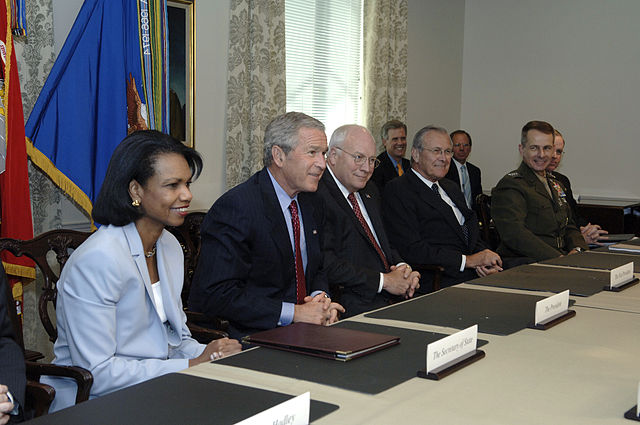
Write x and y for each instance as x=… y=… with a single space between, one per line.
x=530 y=208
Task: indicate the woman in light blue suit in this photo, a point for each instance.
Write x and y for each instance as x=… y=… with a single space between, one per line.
x=119 y=312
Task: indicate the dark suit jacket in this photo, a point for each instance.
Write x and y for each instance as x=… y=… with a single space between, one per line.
x=474 y=179
x=12 y=373
x=352 y=263
x=424 y=228
x=386 y=172
x=564 y=181
x=246 y=267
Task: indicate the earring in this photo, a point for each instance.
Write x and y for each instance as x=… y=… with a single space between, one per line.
x=135 y=203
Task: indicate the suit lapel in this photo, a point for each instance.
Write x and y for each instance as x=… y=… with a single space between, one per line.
x=344 y=204
x=275 y=217
x=371 y=205
x=310 y=234
x=169 y=299
x=428 y=196
x=137 y=252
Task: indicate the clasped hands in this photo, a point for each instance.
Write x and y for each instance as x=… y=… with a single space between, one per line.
x=401 y=280
x=485 y=262
x=319 y=310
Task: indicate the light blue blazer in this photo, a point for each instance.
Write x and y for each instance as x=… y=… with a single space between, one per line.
x=107 y=322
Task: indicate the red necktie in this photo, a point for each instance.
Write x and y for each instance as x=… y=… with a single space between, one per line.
x=301 y=290
x=367 y=230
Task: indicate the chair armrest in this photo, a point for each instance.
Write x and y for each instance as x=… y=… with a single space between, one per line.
x=205 y=321
x=437 y=273
x=39 y=397
x=205 y=335
x=83 y=378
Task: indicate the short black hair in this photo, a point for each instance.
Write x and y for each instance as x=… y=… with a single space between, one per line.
x=453 y=133
x=134 y=159
x=541 y=126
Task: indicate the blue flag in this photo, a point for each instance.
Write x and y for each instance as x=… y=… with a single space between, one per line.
x=108 y=80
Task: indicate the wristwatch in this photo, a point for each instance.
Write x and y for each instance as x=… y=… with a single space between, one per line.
x=578 y=249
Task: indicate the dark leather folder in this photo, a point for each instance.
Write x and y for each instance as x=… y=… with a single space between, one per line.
x=323 y=341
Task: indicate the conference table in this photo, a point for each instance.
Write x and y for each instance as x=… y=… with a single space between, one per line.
x=585 y=370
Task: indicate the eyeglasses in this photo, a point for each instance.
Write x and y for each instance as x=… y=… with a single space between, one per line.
x=439 y=151
x=360 y=159
x=461 y=145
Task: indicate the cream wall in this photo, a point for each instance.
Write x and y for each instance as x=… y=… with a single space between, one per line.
x=434 y=74
x=574 y=63
x=212 y=39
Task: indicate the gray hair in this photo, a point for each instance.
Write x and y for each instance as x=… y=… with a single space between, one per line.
x=417 y=139
x=283 y=131
x=340 y=134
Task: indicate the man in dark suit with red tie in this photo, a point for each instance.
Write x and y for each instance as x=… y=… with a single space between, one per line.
x=260 y=262
x=12 y=373
x=462 y=171
x=427 y=218
x=361 y=264
x=392 y=160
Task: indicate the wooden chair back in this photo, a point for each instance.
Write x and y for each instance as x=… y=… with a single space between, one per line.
x=39 y=396
x=60 y=242
x=188 y=234
x=488 y=231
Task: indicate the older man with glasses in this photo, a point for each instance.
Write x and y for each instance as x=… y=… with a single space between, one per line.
x=428 y=219
x=364 y=270
x=529 y=207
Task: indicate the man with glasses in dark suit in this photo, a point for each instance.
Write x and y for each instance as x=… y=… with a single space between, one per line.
x=360 y=262
x=427 y=218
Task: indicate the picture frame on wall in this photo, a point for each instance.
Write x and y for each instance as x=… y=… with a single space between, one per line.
x=181 y=26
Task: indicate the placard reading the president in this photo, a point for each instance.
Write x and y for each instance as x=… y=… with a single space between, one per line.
x=291 y=412
x=621 y=275
x=552 y=306
x=449 y=348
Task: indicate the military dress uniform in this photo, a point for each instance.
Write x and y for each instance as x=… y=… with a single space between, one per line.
x=529 y=221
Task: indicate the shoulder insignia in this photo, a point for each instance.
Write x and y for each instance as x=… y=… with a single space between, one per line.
x=514 y=173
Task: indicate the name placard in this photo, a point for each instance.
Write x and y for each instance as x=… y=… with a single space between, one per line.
x=290 y=412
x=551 y=307
x=621 y=275
x=638 y=404
x=450 y=348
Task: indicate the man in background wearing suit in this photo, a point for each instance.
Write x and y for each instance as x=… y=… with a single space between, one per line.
x=427 y=218
x=12 y=372
x=392 y=160
x=261 y=261
x=360 y=262
x=462 y=171
x=590 y=232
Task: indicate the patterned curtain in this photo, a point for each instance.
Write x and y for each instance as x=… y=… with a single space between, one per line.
x=384 y=63
x=35 y=55
x=256 y=82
